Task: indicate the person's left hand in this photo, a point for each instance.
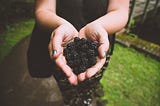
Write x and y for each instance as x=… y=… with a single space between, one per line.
x=95 y=32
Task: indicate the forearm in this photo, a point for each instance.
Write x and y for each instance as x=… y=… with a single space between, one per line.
x=116 y=17
x=114 y=20
x=45 y=15
x=48 y=20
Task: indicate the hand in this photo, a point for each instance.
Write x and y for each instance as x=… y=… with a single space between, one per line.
x=95 y=32
x=59 y=38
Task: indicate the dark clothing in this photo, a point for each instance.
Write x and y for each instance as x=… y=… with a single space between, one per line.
x=81 y=12
x=78 y=13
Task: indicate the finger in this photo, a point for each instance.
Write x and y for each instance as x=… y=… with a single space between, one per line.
x=57 y=44
x=50 y=48
x=61 y=63
x=81 y=33
x=82 y=76
x=73 y=79
x=103 y=44
x=68 y=39
x=97 y=67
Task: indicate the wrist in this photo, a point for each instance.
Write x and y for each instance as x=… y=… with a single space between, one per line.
x=100 y=23
x=59 y=21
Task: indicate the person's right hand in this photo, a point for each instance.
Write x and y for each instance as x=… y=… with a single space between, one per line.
x=59 y=38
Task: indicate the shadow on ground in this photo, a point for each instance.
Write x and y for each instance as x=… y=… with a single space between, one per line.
x=17 y=88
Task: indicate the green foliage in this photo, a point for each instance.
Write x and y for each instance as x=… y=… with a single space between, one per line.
x=13 y=10
x=132 y=35
x=13 y=34
x=132 y=79
x=131 y=26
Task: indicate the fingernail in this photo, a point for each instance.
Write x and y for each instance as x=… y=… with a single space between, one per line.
x=54 y=52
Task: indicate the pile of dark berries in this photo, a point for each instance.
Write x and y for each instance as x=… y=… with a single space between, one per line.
x=81 y=54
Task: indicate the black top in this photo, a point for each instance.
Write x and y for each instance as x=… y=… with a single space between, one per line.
x=81 y=12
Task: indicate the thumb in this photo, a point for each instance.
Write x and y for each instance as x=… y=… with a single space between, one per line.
x=56 y=44
x=81 y=33
x=103 y=45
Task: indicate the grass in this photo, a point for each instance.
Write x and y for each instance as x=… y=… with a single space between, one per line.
x=13 y=34
x=131 y=79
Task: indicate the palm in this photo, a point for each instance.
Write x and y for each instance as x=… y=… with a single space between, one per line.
x=96 y=33
x=60 y=37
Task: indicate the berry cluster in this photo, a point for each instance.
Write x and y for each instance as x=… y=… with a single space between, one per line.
x=81 y=54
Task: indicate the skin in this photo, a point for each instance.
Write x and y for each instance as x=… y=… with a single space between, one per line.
x=63 y=32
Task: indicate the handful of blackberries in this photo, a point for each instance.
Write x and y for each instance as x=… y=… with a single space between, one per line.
x=81 y=54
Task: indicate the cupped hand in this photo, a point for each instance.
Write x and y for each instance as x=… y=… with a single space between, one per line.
x=95 y=32
x=59 y=38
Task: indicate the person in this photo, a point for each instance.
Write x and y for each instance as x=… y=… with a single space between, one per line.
x=58 y=22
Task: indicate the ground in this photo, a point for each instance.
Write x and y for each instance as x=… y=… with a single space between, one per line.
x=18 y=88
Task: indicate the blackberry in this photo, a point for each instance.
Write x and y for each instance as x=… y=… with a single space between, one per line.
x=81 y=54
x=70 y=45
x=76 y=39
x=91 y=53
